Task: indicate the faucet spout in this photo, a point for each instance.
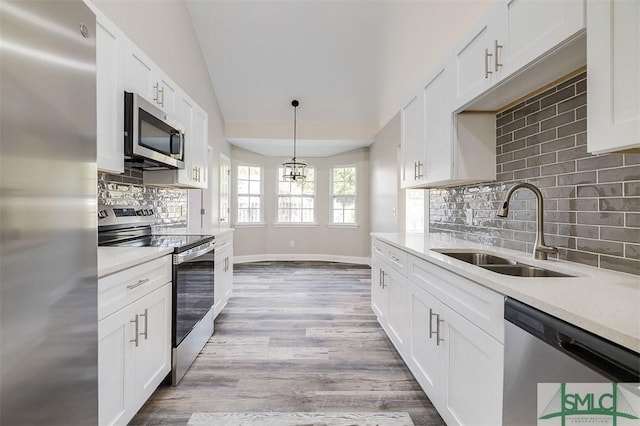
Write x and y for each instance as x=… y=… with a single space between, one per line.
x=540 y=249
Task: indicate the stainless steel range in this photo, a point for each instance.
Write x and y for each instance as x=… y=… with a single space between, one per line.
x=193 y=276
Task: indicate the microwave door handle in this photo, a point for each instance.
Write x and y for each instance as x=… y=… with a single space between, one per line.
x=176 y=143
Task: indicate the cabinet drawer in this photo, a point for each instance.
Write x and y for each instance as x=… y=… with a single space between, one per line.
x=121 y=288
x=479 y=305
x=392 y=256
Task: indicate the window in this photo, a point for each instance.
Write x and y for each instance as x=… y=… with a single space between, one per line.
x=296 y=200
x=414 y=215
x=343 y=193
x=249 y=194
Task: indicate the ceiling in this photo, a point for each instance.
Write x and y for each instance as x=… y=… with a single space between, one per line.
x=331 y=55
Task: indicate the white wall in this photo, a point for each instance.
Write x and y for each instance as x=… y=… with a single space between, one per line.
x=164 y=31
x=320 y=241
x=385 y=206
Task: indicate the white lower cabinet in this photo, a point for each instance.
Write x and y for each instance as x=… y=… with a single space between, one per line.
x=134 y=341
x=448 y=330
x=223 y=278
x=473 y=363
x=397 y=317
x=379 y=293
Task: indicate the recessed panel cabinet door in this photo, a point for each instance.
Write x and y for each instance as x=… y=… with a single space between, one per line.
x=379 y=294
x=412 y=140
x=139 y=74
x=153 y=354
x=473 y=362
x=438 y=126
x=535 y=27
x=424 y=351
x=398 y=315
x=115 y=367
x=109 y=97
x=613 y=70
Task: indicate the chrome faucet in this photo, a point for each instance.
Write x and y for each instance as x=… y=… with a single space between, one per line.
x=540 y=249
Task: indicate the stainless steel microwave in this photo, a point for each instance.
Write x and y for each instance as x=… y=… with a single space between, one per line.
x=152 y=141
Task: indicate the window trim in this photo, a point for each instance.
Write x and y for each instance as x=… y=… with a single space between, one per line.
x=277 y=222
x=331 y=223
x=260 y=221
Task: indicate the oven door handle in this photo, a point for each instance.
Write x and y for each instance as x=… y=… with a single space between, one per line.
x=181 y=258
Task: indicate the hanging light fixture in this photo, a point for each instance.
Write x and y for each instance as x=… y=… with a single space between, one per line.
x=294 y=170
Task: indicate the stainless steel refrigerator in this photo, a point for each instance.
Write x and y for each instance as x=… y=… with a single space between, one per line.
x=48 y=265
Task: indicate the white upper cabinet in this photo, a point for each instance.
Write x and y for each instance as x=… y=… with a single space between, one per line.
x=438 y=125
x=514 y=35
x=109 y=96
x=195 y=172
x=613 y=75
x=143 y=77
x=440 y=148
x=412 y=140
x=473 y=59
x=533 y=28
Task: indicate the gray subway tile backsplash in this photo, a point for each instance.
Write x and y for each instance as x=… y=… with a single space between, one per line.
x=592 y=202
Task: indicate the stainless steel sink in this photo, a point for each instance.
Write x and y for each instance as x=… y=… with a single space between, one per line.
x=502 y=265
x=522 y=270
x=481 y=258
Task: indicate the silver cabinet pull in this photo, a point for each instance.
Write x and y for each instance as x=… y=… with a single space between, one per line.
x=495 y=52
x=161 y=92
x=486 y=63
x=138 y=284
x=383 y=283
x=146 y=324
x=438 y=339
x=420 y=168
x=157 y=88
x=394 y=259
x=431 y=315
x=135 y=340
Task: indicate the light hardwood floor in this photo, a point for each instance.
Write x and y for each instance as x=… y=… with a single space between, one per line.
x=295 y=337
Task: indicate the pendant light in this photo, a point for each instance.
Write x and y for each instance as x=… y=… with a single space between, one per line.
x=294 y=170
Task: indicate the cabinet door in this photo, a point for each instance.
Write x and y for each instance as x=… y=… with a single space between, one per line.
x=613 y=67
x=398 y=315
x=109 y=97
x=218 y=293
x=138 y=74
x=379 y=294
x=115 y=368
x=424 y=351
x=184 y=111
x=167 y=94
x=153 y=353
x=412 y=140
x=535 y=27
x=438 y=126
x=473 y=364
x=472 y=61
x=199 y=147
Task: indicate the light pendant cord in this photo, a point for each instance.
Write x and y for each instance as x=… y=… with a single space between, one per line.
x=295 y=126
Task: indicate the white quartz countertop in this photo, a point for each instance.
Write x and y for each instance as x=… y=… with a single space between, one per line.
x=604 y=302
x=114 y=259
x=216 y=232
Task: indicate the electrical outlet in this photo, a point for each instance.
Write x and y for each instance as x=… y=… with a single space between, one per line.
x=292 y=243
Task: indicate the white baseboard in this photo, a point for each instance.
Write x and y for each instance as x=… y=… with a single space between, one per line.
x=302 y=257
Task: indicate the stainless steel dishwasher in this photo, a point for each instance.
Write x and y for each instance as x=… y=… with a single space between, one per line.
x=540 y=348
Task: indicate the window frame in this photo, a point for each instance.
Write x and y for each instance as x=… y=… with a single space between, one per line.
x=314 y=222
x=260 y=221
x=332 y=197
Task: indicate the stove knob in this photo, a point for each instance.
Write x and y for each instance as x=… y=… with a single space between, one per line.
x=139 y=212
x=150 y=212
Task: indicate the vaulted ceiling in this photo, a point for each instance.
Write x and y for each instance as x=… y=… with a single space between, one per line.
x=351 y=63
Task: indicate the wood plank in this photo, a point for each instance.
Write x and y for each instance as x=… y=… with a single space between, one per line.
x=297 y=338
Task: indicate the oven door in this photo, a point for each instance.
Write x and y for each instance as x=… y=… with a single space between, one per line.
x=193 y=277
